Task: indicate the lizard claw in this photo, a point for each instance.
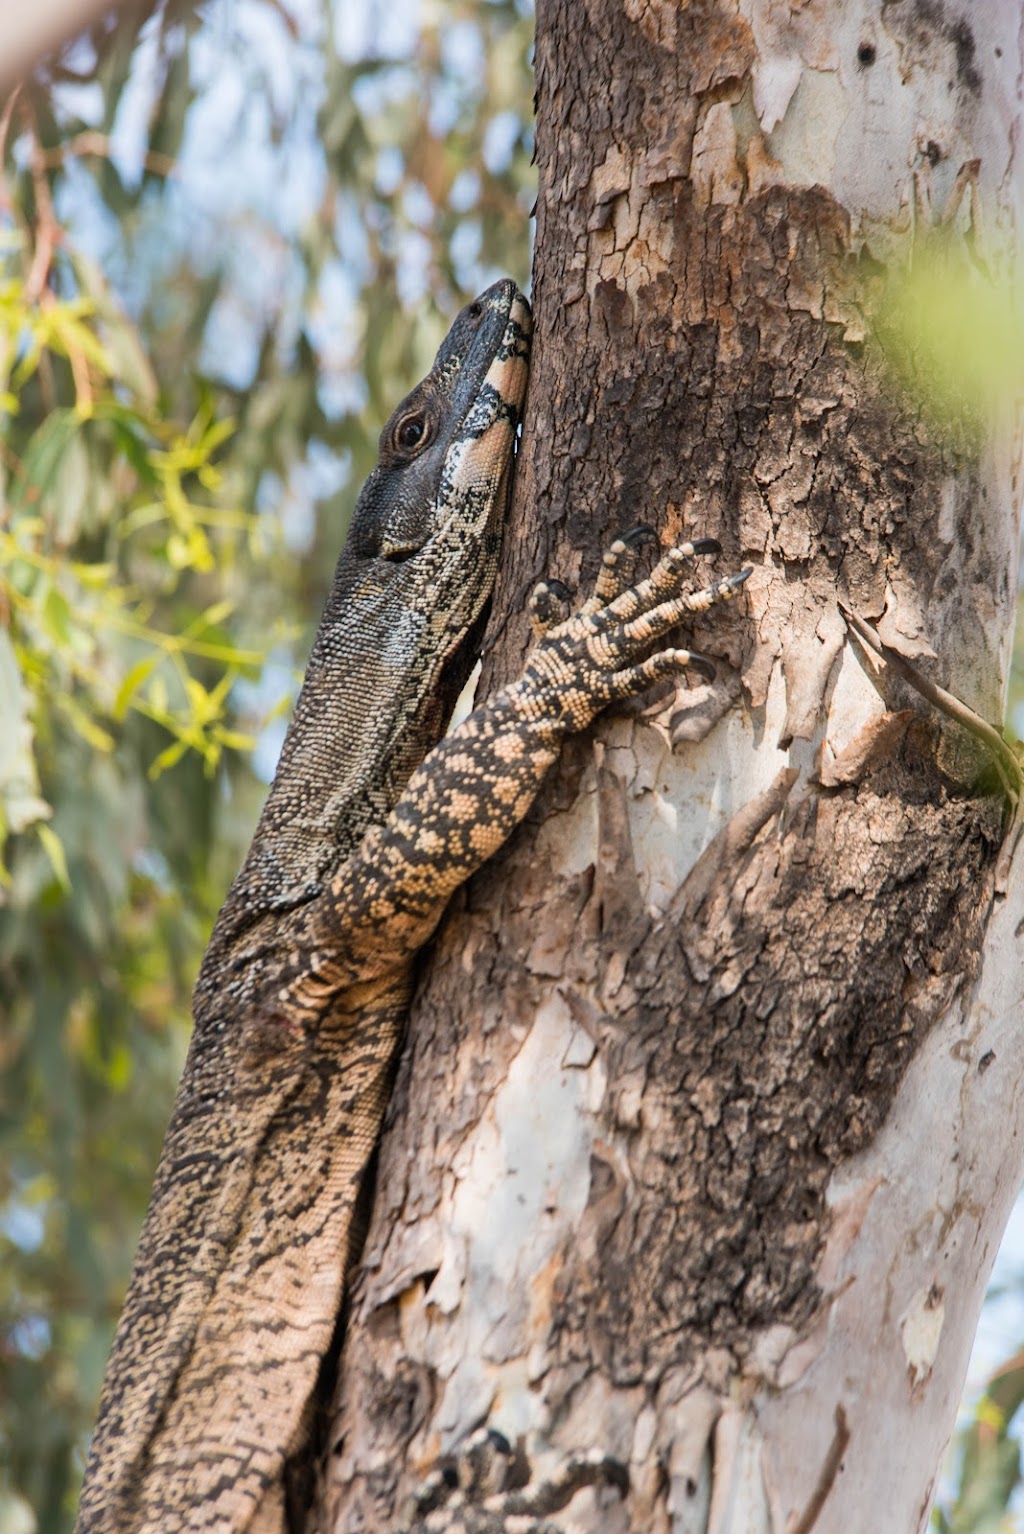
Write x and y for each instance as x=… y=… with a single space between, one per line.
x=632 y=680
x=700 y=664
x=642 y=533
x=558 y=589
x=706 y=546
x=479 y=1468
x=473 y=1494
x=617 y=567
x=618 y=560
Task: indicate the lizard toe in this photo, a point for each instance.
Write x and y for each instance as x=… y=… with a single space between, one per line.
x=633 y=680
x=546 y=606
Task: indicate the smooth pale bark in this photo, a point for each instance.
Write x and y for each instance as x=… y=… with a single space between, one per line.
x=711 y=1112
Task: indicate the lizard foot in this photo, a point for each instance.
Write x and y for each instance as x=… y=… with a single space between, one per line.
x=619 y=559
x=601 y=654
x=468 y=1495
x=617 y=564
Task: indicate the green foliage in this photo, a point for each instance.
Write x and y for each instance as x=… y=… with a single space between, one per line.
x=954 y=336
x=101 y=529
x=950 y=328
x=229 y=242
x=989 y=1460
x=120 y=564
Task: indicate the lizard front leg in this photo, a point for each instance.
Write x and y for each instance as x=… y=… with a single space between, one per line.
x=478 y=784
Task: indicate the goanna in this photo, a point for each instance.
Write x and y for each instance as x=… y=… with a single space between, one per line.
x=299 y=1006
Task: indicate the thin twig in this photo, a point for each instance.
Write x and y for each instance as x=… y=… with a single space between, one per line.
x=48 y=234
x=47 y=230
x=5 y=128
x=1007 y=763
x=90 y=142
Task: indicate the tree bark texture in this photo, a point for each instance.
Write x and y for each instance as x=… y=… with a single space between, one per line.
x=710 y=1114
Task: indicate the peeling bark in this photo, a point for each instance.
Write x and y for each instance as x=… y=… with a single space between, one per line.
x=710 y=1113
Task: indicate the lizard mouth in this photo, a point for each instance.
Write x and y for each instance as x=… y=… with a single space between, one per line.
x=510 y=365
x=479 y=457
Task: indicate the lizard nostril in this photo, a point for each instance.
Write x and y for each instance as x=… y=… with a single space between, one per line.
x=475 y=310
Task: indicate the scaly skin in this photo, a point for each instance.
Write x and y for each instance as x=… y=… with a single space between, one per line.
x=477 y=785
x=239 y=1276
x=300 y=1002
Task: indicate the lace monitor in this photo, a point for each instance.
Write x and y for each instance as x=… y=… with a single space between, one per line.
x=253 y=1223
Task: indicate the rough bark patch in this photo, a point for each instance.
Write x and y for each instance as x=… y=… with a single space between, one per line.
x=770 y=1024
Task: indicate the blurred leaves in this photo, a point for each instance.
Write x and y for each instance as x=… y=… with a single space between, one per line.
x=101 y=522
x=948 y=321
x=231 y=238
x=954 y=336
x=989 y=1460
x=121 y=560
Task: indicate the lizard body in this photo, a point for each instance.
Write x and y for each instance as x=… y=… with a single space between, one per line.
x=238 y=1279
x=301 y=997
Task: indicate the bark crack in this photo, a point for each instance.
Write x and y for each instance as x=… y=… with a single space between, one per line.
x=826 y=1478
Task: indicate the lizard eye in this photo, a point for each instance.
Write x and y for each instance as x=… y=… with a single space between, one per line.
x=412 y=432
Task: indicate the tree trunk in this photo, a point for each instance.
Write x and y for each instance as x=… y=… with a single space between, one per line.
x=709 y=1122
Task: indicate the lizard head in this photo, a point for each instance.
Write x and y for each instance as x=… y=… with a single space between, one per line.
x=437 y=498
x=419 y=564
